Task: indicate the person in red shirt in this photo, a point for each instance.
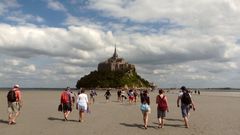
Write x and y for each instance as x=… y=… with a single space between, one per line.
x=66 y=102
x=14 y=104
x=162 y=107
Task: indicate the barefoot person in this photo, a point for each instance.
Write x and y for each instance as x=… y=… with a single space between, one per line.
x=145 y=108
x=186 y=104
x=82 y=104
x=14 y=104
x=107 y=95
x=93 y=93
x=162 y=107
x=66 y=102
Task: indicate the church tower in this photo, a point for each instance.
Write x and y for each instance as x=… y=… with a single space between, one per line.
x=115 y=63
x=115 y=55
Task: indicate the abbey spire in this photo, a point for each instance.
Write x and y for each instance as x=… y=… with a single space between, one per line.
x=115 y=55
x=115 y=63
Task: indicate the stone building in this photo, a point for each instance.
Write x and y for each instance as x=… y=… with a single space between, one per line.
x=115 y=63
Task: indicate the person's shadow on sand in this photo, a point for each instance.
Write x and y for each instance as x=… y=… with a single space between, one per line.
x=59 y=119
x=170 y=119
x=135 y=125
x=172 y=125
x=4 y=121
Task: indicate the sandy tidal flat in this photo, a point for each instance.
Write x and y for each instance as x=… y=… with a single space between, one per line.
x=214 y=115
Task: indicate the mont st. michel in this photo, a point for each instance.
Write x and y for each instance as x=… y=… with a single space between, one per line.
x=115 y=72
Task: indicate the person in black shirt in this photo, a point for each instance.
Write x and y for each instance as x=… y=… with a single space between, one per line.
x=144 y=107
x=107 y=95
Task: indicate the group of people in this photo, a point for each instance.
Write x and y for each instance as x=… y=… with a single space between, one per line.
x=162 y=106
x=68 y=99
x=131 y=95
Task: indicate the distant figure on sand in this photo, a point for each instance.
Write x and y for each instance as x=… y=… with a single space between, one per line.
x=162 y=107
x=82 y=104
x=123 y=95
x=14 y=104
x=119 y=95
x=135 y=93
x=93 y=93
x=107 y=95
x=66 y=101
x=73 y=98
x=130 y=96
x=186 y=104
x=145 y=107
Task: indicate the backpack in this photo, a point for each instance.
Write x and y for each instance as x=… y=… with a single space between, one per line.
x=11 y=96
x=144 y=107
x=186 y=99
x=162 y=103
x=65 y=97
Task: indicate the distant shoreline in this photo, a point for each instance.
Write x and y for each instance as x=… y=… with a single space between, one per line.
x=102 y=89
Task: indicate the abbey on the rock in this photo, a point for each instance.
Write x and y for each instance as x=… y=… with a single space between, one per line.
x=115 y=63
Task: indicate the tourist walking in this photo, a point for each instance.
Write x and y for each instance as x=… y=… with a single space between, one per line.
x=123 y=95
x=14 y=104
x=130 y=96
x=93 y=93
x=135 y=93
x=107 y=95
x=162 y=107
x=119 y=95
x=186 y=104
x=145 y=107
x=82 y=104
x=66 y=102
x=73 y=98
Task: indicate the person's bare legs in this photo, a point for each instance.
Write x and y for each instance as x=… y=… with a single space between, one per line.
x=145 y=119
x=65 y=114
x=81 y=114
x=186 y=122
x=14 y=117
x=68 y=112
x=10 y=118
x=162 y=122
x=159 y=122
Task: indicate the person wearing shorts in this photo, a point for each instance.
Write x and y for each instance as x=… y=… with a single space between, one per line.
x=82 y=103
x=14 y=107
x=66 y=102
x=185 y=108
x=162 y=107
x=145 y=107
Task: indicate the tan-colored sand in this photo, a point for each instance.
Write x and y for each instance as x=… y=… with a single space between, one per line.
x=214 y=115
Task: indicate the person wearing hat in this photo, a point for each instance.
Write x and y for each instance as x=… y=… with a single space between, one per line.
x=14 y=104
x=186 y=104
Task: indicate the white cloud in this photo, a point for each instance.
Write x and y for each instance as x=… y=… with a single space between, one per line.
x=75 y=51
x=30 y=68
x=202 y=51
x=56 y=5
x=73 y=42
x=7 y=5
x=22 y=18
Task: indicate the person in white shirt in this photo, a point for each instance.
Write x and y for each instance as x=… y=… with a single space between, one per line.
x=82 y=104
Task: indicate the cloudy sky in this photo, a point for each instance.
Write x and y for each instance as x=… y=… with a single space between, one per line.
x=53 y=43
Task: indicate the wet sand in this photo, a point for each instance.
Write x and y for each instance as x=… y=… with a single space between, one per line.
x=216 y=114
